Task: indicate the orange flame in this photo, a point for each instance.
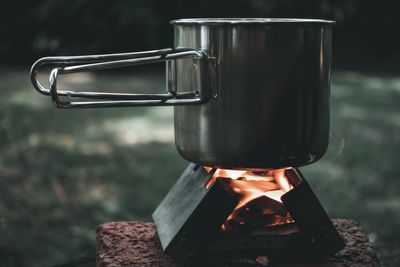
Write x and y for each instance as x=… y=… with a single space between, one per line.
x=259 y=194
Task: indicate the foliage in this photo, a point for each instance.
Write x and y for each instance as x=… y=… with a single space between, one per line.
x=364 y=31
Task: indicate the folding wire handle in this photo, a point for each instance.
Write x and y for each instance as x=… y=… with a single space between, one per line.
x=73 y=64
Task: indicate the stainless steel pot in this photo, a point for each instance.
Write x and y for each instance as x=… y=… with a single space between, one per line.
x=248 y=93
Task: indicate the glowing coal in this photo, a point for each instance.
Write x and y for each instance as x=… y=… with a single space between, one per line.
x=259 y=194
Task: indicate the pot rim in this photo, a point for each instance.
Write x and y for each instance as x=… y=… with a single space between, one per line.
x=222 y=21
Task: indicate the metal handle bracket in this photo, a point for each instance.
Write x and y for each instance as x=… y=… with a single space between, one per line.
x=74 y=64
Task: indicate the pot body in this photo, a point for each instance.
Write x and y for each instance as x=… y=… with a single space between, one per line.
x=270 y=105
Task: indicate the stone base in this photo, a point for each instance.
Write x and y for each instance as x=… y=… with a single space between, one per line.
x=137 y=244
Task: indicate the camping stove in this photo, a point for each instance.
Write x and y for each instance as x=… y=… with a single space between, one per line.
x=215 y=214
x=267 y=80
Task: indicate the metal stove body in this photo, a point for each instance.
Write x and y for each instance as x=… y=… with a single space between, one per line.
x=189 y=221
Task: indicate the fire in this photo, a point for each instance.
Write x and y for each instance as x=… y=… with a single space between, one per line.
x=259 y=194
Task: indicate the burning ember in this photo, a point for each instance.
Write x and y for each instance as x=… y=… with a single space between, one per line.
x=259 y=194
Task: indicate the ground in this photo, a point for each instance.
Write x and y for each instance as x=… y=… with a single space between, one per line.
x=63 y=172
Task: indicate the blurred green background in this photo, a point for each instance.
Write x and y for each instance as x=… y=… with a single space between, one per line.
x=63 y=172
